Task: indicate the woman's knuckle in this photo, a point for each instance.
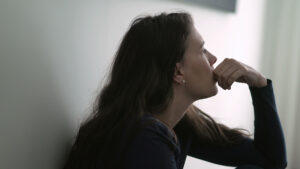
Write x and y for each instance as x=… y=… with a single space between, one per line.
x=245 y=69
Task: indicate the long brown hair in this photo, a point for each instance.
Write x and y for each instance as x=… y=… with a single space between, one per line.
x=140 y=81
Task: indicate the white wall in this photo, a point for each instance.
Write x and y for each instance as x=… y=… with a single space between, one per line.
x=55 y=53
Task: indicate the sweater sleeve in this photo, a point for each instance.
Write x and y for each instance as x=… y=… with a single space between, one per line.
x=151 y=151
x=267 y=150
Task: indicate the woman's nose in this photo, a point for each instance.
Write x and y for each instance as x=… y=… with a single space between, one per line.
x=213 y=59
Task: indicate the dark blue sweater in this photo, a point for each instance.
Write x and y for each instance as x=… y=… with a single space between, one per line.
x=155 y=146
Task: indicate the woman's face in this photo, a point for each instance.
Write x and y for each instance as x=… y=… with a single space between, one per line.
x=198 y=68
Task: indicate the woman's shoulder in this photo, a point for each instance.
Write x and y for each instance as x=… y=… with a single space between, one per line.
x=152 y=147
x=152 y=143
x=153 y=128
x=153 y=132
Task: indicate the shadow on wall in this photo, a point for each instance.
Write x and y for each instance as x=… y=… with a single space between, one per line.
x=52 y=131
x=35 y=124
x=37 y=95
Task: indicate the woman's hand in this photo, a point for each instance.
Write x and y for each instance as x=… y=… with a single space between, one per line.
x=231 y=70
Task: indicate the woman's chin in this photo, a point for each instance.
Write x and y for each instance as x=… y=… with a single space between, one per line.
x=215 y=90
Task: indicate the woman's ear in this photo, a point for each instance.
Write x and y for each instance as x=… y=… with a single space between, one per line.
x=178 y=73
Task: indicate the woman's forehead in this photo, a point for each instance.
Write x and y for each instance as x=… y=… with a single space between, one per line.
x=195 y=39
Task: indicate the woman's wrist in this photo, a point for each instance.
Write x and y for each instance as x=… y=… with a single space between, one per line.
x=262 y=82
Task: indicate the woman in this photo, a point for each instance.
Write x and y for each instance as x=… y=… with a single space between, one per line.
x=144 y=117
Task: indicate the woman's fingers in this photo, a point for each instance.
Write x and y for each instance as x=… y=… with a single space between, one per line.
x=221 y=67
x=231 y=70
x=223 y=71
x=227 y=74
x=234 y=76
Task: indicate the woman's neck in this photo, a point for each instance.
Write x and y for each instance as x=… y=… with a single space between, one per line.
x=176 y=109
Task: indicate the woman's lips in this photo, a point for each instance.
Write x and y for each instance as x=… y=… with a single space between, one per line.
x=215 y=77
